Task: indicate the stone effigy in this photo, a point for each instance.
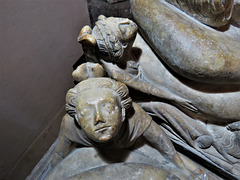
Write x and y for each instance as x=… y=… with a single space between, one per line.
x=201 y=116
x=182 y=120
x=101 y=114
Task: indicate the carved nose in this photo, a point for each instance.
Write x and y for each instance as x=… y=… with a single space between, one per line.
x=99 y=119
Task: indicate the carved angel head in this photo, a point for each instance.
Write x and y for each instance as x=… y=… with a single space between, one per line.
x=111 y=39
x=99 y=105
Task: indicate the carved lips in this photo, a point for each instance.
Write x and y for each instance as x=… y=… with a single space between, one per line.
x=103 y=129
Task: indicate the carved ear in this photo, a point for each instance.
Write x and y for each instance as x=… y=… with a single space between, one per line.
x=123 y=114
x=86 y=37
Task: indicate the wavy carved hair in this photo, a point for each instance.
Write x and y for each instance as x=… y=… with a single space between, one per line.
x=120 y=89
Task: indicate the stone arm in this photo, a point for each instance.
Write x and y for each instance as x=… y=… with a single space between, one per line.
x=66 y=140
x=159 y=140
x=131 y=79
x=138 y=81
x=62 y=149
x=88 y=70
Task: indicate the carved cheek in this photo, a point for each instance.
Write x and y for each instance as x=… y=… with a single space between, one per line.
x=87 y=127
x=85 y=122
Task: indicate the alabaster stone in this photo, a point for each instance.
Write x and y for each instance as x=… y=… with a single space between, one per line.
x=101 y=114
x=201 y=118
x=110 y=38
x=141 y=162
x=214 y=13
x=88 y=70
x=182 y=120
x=190 y=48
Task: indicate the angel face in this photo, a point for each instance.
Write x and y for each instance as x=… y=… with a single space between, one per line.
x=124 y=29
x=99 y=113
x=113 y=37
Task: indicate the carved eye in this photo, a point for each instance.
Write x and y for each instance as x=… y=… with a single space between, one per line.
x=109 y=107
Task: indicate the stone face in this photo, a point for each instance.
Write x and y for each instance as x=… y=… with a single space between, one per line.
x=100 y=120
x=204 y=116
x=111 y=38
x=188 y=47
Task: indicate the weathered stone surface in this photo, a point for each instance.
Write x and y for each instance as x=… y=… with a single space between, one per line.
x=101 y=114
x=129 y=171
x=202 y=120
x=83 y=161
x=216 y=106
x=110 y=38
x=90 y=70
x=197 y=112
x=90 y=163
x=215 y=103
x=190 y=48
x=213 y=13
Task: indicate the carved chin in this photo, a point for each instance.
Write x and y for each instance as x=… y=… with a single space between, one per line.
x=104 y=134
x=105 y=138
